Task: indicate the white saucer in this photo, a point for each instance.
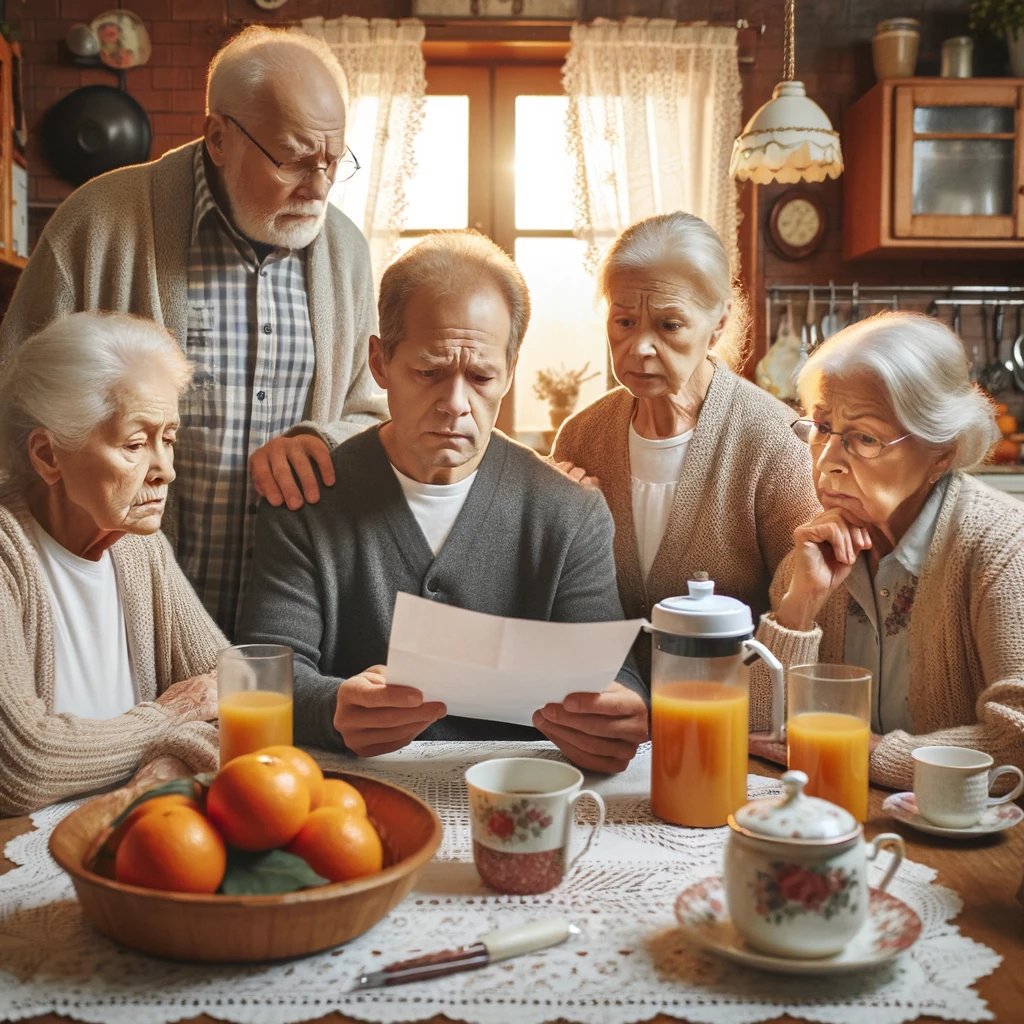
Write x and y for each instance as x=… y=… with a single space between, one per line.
x=903 y=807
x=891 y=929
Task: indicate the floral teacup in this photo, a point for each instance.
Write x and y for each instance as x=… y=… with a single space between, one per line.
x=796 y=872
x=521 y=811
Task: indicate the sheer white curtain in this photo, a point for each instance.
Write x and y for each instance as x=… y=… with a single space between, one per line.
x=654 y=107
x=383 y=60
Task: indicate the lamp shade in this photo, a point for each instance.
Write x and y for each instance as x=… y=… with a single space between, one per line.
x=789 y=139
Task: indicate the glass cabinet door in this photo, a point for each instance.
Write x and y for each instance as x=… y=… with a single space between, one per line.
x=956 y=161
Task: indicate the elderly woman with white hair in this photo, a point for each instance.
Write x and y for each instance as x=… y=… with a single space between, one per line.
x=107 y=655
x=913 y=568
x=698 y=465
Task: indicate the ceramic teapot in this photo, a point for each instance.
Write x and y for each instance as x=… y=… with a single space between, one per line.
x=796 y=872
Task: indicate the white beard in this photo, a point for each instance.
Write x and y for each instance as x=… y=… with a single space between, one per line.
x=263 y=226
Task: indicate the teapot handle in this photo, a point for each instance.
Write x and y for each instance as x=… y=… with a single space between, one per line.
x=752 y=650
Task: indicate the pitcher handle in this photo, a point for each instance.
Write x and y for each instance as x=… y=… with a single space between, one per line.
x=596 y=797
x=752 y=650
x=896 y=842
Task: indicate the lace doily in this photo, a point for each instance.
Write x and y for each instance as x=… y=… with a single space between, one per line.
x=630 y=963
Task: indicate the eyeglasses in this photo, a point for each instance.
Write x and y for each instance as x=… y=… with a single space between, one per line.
x=864 y=446
x=291 y=172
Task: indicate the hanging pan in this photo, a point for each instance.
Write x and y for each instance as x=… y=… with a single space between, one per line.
x=92 y=130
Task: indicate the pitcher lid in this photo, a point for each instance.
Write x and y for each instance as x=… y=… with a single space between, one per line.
x=702 y=612
x=795 y=815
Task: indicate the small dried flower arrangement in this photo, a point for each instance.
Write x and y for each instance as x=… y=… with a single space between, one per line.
x=561 y=387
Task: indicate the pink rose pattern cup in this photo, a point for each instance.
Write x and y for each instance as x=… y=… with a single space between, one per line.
x=521 y=815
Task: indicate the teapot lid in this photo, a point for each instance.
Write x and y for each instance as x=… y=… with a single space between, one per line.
x=702 y=612
x=795 y=815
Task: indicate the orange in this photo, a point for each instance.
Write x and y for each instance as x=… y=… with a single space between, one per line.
x=1005 y=451
x=304 y=765
x=258 y=801
x=156 y=803
x=339 y=845
x=1006 y=423
x=175 y=849
x=338 y=793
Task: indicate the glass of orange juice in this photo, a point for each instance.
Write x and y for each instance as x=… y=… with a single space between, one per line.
x=254 y=698
x=828 y=729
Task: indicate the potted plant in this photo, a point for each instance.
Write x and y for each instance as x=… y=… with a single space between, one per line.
x=1003 y=19
x=561 y=389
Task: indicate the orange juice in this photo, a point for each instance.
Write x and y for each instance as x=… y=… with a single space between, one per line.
x=699 y=752
x=251 y=720
x=833 y=750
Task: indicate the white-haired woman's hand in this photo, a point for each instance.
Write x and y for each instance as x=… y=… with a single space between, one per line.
x=825 y=551
x=192 y=700
x=576 y=473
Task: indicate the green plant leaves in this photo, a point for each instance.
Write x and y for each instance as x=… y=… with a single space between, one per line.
x=264 y=874
x=185 y=786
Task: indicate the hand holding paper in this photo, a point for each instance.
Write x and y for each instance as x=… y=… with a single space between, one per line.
x=497 y=668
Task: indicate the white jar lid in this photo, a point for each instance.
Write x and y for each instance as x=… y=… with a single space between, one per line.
x=702 y=613
x=795 y=815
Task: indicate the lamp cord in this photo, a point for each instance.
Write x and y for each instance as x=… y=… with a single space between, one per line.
x=789 y=51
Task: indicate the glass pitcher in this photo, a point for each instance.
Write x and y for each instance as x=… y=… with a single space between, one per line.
x=702 y=647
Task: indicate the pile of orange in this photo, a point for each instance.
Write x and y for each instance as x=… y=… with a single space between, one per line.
x=1008 y=449
x=276 y=798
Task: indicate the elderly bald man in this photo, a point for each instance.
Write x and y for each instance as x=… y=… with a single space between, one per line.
x=230 y=243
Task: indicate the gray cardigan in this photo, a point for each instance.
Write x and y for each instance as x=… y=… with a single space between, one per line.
x=528 y=543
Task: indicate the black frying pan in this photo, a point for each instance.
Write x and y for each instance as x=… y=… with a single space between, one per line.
x=92 y=130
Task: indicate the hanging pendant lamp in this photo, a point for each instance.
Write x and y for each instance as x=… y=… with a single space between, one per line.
x=790 y=138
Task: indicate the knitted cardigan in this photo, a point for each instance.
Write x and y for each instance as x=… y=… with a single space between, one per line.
x=745 y=486
x=966 y=684
x=45 y=756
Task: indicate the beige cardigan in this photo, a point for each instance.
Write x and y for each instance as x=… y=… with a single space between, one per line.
x=45 y=756
x=966 y=684
x=745 y=486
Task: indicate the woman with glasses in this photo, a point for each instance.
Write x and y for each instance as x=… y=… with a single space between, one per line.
x=913 y=568
x=698 y=466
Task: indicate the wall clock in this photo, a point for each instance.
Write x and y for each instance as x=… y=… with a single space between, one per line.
x=796 y=223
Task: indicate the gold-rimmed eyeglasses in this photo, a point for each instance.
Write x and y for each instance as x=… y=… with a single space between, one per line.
x=857 y=442
x=291 y=172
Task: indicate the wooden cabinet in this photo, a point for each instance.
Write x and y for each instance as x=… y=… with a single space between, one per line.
x=934 y=164
x=13 y=175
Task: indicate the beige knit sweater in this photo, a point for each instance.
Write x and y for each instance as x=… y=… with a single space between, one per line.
x=45 y=756
x=745 y=486
x=966 y=683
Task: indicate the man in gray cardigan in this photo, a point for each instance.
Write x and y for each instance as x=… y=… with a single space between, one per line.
x=438 y=504
x=229 y=242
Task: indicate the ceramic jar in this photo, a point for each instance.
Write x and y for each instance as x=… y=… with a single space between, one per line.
x=894 y=48
x=796 y=872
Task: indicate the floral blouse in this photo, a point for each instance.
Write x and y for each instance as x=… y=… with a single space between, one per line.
x=878 y=617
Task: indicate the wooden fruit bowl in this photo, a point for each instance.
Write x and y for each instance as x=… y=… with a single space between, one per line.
x=234 y=929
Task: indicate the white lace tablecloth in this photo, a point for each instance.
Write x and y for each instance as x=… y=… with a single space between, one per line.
x=630 y=963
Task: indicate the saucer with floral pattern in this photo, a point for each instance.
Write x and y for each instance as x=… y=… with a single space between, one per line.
x=891 y=928
x=903 y=807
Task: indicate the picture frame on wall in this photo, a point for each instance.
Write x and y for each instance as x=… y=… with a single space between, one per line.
x=533 y=9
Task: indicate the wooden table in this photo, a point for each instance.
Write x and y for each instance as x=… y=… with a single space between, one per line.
x=986 y=873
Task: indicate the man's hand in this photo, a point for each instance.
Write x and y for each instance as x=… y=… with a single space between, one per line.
x=275 y=467
x=576 y=473
x=596 y=731
x=375 y=717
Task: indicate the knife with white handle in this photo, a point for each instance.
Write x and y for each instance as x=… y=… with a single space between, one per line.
x=488 y=949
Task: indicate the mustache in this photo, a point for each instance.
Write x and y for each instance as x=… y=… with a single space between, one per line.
x=309 y=208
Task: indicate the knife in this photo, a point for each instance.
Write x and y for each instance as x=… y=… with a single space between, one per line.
x=488 y=949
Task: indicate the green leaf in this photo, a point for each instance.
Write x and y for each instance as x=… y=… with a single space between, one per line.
x=263 y=874
x=184 y=785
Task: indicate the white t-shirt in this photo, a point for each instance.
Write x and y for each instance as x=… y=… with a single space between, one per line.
x=654 y=467
x=435 y=506
x=93 y=671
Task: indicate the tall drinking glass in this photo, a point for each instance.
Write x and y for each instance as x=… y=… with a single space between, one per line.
x=254 y=698
x=828 y=730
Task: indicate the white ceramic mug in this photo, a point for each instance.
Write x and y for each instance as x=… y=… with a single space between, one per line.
x=952 y=784
x=521 y=812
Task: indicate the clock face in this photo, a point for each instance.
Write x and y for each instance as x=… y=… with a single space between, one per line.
x=796 y=225
x=798 y=222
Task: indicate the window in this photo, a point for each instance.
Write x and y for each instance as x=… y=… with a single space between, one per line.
x=491 y=155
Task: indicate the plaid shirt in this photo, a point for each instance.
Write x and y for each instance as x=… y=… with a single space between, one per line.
x=251 y=345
